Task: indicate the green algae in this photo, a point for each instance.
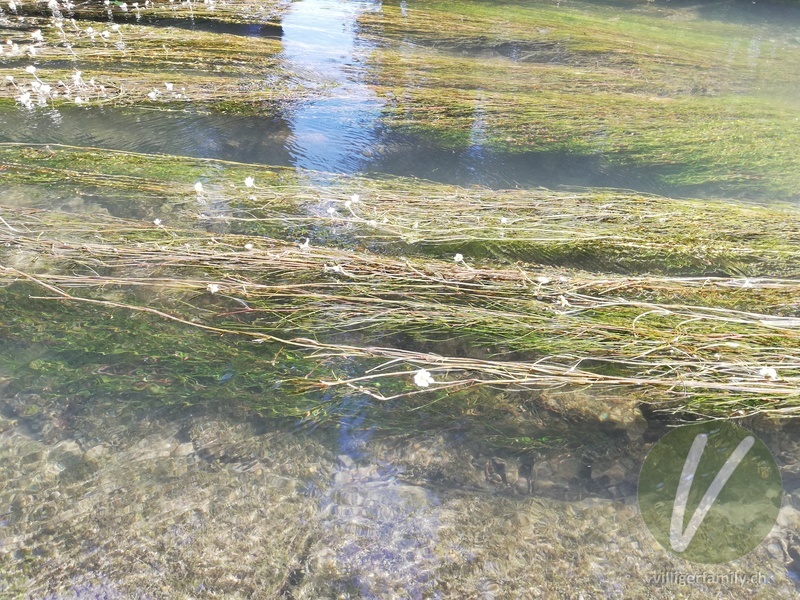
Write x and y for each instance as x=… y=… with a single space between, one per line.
x=696 y=103
x=697 y=107
x=604 y=230
x=473 y=275
x=350 y=311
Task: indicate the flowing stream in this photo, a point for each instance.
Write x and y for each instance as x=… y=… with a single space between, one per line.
x=111 y=500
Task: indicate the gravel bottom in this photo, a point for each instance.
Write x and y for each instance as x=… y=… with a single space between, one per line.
x=214 y=507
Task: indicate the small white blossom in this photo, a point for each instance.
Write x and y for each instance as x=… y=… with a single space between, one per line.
x=169 y=86
x=542 y=279
x=305 y=245
x=78 y=100
x=768 y=373
x=115 y=26
x=458 y=258
x=331 y=211
x=37 y=35
x=153 y=95
x=503 y=221
x=248 y=246
x=157 y=222
x=212 y=288
x=30 y=69
x=423 y=378
x=25 y=99
x=354 y=198
x=249 y=182
x=198 y=187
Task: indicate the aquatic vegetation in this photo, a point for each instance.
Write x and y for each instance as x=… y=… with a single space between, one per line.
x=696 y=344
x=701 y=113
x=451 y=350
x=464 y=289
x=170 y=63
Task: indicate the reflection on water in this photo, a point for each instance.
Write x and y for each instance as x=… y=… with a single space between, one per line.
x=334 y=129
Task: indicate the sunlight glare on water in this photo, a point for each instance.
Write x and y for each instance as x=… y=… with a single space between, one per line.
x=335 y=127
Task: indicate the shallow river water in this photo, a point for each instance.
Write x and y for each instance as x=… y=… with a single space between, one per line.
x=105 y=498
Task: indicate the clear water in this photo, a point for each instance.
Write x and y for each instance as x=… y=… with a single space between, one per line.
x=117 y=498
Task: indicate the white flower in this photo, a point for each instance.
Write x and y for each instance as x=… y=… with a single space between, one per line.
x=503 y=220
x=542 y=279
x=37 y=35
x=90 y=30
x=305 y=245
x=153 y=95
x=76 y=78
x=331 y=211
x=157 y=222
x=169 y=86
x=198 y=187
x=354 y=198
x=124 y=8
x=423 y=378
x=12 y=6
x=78 y=100
x=348 y=203
x=105 y=35
x=30 y=69
x=115 y=26
x=212 y=288
x=768 y=373
x=248 y=246
x=9 y=79
x=458 y=258
x=25 y=100
x=249 y=182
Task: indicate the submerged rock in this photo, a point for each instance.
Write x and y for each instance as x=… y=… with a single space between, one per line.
x=618 y=412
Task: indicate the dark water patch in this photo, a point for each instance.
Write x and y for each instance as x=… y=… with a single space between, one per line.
x=266 y=25
x=519 y=51
x=202 y=24
x=251 y=139
x=479 y=165
x=269 y=140
x=265 y=30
